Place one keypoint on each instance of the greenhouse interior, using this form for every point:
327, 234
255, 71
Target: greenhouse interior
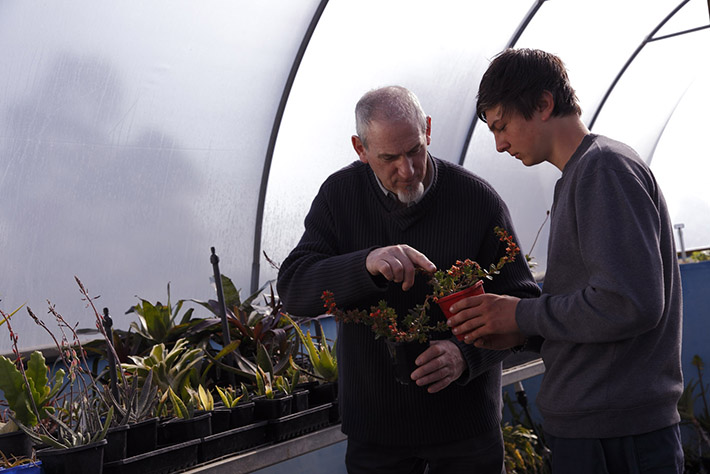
151, 148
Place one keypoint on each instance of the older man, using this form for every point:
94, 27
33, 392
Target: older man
371, 226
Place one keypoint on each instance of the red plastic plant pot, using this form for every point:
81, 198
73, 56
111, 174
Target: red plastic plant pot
445, 302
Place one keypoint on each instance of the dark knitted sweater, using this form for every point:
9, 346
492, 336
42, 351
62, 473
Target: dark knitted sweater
349, 217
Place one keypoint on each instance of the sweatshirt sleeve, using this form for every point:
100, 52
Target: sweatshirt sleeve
515, 279
604, 277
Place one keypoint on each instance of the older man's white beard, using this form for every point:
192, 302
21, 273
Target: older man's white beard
411, 193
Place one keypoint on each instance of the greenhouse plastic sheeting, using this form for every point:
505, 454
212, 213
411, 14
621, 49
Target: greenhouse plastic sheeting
136, 135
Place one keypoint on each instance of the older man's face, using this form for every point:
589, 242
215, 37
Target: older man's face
397, 154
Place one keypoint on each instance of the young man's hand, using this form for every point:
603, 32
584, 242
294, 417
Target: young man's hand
487, 321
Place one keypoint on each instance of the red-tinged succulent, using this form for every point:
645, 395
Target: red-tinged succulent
384, 321
464, 274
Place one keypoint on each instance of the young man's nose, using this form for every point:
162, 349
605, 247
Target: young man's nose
501, 145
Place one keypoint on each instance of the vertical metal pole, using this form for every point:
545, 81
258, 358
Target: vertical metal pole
226, 339
108, 325
680, 241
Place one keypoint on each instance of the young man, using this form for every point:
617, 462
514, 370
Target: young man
608, 323
372, 224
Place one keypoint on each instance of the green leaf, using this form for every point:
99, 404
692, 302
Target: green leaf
56, 385
37, 371
322, 360
187, 316
205, 398
178, 405
228, 349
225, 396
263, 360
13, 386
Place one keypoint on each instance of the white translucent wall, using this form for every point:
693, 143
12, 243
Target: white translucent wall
595, 40
135, 135
439, 51
660, 107
132, 139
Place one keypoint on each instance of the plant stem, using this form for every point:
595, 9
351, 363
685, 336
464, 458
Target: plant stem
547, 216
702, 391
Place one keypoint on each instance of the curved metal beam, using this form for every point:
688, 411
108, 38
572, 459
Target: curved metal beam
256, 262
621, 72
511, 43
665, 124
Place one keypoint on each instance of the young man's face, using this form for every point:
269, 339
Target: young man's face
521, 138
397, 154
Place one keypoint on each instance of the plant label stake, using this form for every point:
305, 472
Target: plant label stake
226, 339
108, 324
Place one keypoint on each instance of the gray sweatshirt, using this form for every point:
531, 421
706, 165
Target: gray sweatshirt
611, 309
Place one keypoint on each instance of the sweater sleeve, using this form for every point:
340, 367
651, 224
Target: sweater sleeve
315, 265
605, 272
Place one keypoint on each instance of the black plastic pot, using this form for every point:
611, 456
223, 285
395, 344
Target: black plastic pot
87, 459
242, 414
299, 401
16, 444
326, 392
142, 437
403, 355
334, 412
179, 430
117, 440
221, 419
297, 424
233, 441
270, 408
173, 458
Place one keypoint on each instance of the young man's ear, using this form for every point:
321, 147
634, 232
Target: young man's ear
359, 148
545, 105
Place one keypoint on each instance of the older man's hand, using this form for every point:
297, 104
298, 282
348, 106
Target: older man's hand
441, 364
398, 263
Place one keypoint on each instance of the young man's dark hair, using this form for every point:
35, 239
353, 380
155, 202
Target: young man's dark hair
543, 72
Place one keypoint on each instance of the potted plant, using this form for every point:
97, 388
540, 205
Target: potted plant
29, 401
521, 450
465, 278
249, 324
159, 323
14, 442
172, 370
183, 420
74, 434
270, 402
241, 407
134, 426
220, 415
289, 383
243, 433
405, 337
696, 457
323, 363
